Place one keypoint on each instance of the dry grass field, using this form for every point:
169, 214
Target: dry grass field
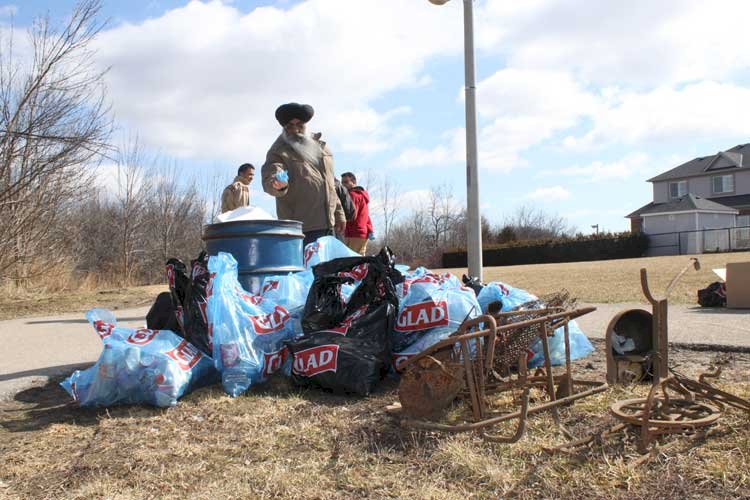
608, 281
281, 441
614, 281
18, 305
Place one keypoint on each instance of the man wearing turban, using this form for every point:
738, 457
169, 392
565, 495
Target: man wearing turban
298, 172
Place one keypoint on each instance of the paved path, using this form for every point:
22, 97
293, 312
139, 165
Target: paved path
687, 324
35, 349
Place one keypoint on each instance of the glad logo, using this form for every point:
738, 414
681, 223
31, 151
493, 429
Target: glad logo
142, 336
503, 289
316, 360
357, 273
343, 328
185, 354
310, 250
422, 316
271, 322
273, 361
198, 270
270, 286
436, 279
170, 275
103, 329
397, 359
251, 299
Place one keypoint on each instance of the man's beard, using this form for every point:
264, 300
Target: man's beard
305, 146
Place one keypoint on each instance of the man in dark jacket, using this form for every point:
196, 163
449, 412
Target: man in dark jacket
298, 172
346, 201
359, 229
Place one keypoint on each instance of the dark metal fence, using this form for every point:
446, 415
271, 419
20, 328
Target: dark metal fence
728, 239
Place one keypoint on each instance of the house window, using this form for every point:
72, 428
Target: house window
677, 189
723, 184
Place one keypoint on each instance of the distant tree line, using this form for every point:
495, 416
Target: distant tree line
421, 230
58, 226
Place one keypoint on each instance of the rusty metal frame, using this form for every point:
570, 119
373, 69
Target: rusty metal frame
482, 379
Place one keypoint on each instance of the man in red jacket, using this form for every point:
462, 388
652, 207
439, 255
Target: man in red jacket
358, 229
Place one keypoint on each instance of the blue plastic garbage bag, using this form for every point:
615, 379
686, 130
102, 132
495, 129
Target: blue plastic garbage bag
510, 297
324, 249
580, 346
433, 306
290, 292
155, 367
248, 330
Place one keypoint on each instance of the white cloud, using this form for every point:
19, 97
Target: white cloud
704, 109
553, 193
526, 107
204, 80
636, 43
8, 10
634, 164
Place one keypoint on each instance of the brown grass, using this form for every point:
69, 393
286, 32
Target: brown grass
610, 281
614, 281
21, 304
279, 441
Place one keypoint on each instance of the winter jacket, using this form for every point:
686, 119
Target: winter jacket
361, 225
346, 201
310, 196
235, 195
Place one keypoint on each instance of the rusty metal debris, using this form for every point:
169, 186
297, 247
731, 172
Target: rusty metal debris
693, 404
484, 361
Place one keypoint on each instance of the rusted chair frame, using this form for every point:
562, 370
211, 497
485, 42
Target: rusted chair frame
477, 372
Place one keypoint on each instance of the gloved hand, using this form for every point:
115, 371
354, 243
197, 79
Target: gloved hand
371, 236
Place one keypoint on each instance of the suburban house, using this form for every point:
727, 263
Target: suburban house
700, 206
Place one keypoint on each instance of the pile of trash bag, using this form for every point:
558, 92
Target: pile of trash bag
432, 307
248, 331
346, 346
340, 325
138, 366
188, 292
504, 297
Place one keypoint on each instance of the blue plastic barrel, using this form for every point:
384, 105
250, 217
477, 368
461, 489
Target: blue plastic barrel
261, 247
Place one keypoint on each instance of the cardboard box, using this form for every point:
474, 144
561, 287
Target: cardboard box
737, 277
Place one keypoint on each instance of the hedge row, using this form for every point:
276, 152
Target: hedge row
583, 248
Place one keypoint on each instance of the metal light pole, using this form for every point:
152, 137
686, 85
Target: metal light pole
474, 226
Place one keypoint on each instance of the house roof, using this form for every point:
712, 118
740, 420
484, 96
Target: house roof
737, 201
688, 203
735, 158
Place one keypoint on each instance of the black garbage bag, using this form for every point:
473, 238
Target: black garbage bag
350, 358
473, 283
162, 314
375, 278
714, 295
188, 291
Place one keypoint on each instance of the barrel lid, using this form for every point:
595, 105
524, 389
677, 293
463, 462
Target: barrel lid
259, 222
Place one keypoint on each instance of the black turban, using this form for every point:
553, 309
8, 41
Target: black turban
288, 112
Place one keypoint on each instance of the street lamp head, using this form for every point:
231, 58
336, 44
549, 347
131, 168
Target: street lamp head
439, 2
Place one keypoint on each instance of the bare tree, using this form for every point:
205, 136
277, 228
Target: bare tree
531, 223
389, 195
442, 214
54, 125
134, 189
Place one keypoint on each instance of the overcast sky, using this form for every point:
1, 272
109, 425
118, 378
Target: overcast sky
579, 101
